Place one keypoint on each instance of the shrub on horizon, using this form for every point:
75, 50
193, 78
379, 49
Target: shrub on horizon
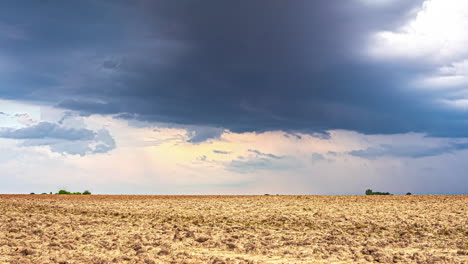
63, 192
86, 192
370, 192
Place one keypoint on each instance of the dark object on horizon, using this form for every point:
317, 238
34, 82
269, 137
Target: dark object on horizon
370, 192
32, 193
43, 193
266, 194
408, 193
86, 192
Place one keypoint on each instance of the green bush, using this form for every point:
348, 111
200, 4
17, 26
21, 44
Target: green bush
86, 192
408, 193
370, 192
63, 192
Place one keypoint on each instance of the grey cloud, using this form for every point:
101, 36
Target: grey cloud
195, 134
74, 141
106, 142
408, 151
64, 117
221, 152
47, 130
317, 157
244, 66
297, 136
259, 153
202, 134
261, 163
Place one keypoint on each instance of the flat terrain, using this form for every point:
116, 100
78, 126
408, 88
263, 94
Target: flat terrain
233, 229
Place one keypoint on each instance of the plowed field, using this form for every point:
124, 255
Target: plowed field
233, 229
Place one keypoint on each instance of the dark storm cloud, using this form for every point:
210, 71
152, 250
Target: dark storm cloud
252, 65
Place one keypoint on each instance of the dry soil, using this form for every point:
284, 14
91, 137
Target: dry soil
233, 229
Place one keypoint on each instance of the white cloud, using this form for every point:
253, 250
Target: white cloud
437, 34
436, 37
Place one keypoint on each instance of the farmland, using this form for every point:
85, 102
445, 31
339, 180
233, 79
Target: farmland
233, 229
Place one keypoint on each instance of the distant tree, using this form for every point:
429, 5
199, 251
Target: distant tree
408, 193
73, 193
32, 193
43, 193
370, 192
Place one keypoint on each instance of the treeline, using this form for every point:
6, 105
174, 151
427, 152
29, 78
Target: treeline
86, 192
370, 192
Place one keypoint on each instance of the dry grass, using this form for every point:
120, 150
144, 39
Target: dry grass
233, 229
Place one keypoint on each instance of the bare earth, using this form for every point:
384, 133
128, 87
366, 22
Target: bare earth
233, 229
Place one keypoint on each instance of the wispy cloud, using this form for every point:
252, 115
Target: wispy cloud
407, 151
261, 163
221, 152
261, 154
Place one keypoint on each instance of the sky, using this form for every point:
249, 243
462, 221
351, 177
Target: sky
234, 97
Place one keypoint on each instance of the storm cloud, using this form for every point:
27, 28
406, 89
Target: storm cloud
243, 65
